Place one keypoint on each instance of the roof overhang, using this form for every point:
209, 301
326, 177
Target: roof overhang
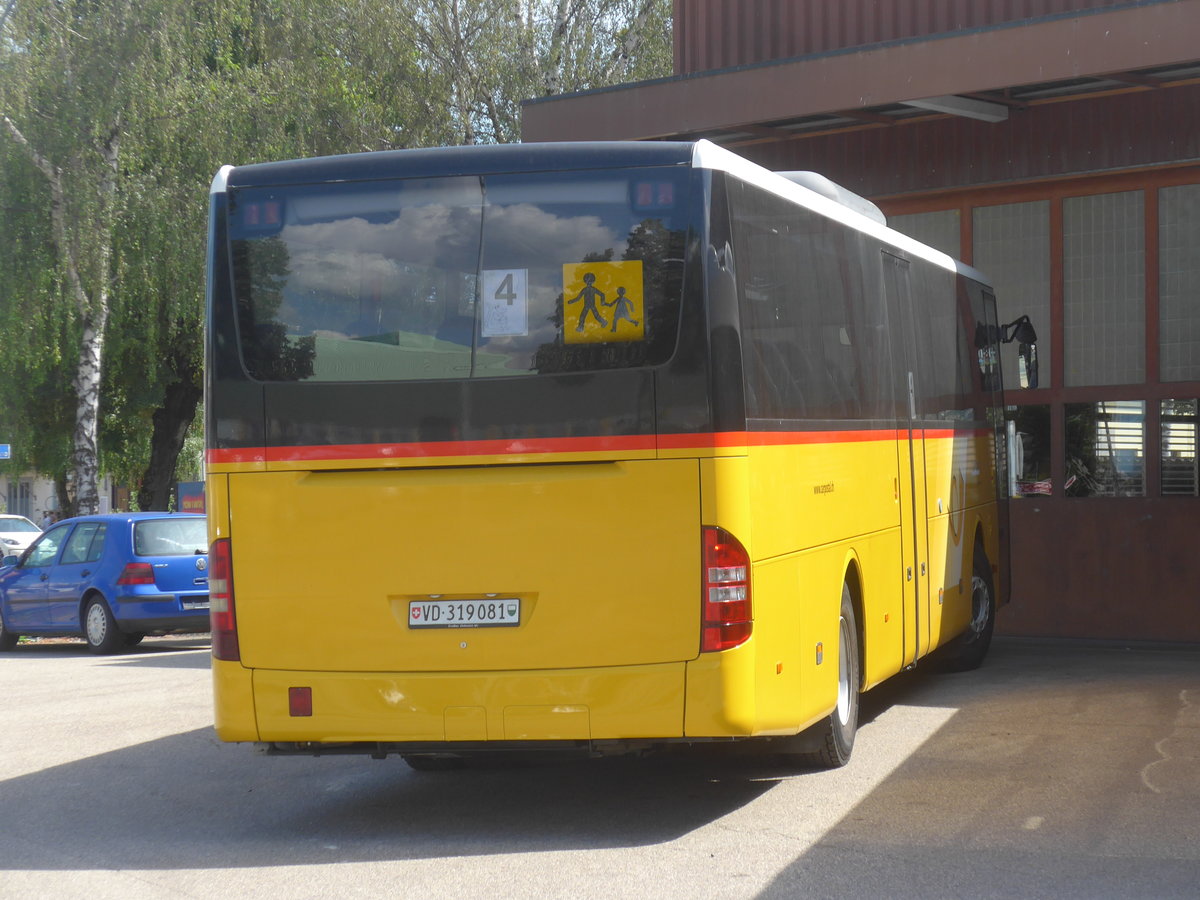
1136, 47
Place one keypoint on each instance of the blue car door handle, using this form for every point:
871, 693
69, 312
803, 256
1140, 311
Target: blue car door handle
85, 573
42, 576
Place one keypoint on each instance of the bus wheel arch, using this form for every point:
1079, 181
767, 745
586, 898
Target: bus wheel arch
967, 650
852, 581
829, 743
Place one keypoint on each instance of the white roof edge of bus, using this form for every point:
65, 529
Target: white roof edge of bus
707, 155
220, 180
826, 187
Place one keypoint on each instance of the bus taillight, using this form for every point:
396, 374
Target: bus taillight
726, 620
220, 593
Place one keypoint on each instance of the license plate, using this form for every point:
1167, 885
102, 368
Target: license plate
485, 613
194, 603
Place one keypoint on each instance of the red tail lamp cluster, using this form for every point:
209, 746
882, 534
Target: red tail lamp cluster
727, 619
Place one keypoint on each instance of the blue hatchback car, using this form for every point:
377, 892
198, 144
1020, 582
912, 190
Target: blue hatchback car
111, 578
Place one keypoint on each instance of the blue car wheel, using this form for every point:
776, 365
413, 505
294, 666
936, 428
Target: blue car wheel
100, 628
8, 639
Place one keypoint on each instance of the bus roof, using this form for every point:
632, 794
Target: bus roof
485, 159
477, 159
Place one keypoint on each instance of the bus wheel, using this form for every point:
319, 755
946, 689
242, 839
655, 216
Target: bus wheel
967, 651
829, 743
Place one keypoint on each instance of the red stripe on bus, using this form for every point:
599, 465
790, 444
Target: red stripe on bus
546, 446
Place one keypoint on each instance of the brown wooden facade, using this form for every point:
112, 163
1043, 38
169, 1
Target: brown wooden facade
1099, 101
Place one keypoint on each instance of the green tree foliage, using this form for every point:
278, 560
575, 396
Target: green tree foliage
115, 116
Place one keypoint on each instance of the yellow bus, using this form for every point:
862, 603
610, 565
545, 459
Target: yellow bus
586, 447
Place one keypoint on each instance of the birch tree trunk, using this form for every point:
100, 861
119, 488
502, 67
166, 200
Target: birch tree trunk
83, 496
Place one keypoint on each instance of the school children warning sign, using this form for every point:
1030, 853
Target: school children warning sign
603, 302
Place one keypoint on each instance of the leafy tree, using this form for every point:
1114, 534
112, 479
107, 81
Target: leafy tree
115, 114
481, 58
66, 103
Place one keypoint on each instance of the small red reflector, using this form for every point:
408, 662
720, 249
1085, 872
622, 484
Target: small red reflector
137, 573
300, 701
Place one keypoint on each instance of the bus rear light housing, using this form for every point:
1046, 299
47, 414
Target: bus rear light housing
726, 619
222, 612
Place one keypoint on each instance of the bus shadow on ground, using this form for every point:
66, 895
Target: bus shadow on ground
187, 801
179, 653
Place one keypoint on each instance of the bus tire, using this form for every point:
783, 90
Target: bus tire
967, 651
829, 743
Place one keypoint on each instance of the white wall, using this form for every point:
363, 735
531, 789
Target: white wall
31, 495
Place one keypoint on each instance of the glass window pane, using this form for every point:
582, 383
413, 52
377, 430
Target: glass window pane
1180, 429
78, 546
1012, 247
1104, 289
170, 537
939, 229
814, 329
1029, 450
1105, 443
460, 277
1179, 274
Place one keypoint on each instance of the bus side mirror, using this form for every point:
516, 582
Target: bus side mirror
1027, 363
1023, 333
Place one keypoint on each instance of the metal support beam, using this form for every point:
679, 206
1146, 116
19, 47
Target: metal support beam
962, 106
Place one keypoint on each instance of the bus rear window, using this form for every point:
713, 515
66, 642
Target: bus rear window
459, 277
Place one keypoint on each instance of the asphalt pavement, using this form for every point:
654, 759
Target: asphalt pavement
1058, 770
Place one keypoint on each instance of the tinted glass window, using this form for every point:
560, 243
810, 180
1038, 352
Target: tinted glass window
1104, 289
1029, 441
86, 543
463, 277
1012, 245
1180, 430
814, 327
45, 550
170, 537
1105, 449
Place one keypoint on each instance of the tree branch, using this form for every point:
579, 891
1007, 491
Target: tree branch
619, 59
8, 8
58, 212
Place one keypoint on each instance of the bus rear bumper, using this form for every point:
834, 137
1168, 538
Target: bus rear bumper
468, 708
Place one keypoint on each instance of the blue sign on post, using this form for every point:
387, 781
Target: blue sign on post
5, 451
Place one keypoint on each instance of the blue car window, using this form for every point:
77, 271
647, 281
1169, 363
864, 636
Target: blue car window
85, 544
44, 552
97, 548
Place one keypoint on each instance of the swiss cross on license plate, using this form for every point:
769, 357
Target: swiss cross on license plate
478, 613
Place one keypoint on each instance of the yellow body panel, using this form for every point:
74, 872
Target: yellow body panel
233, 706
605, 559
601, 556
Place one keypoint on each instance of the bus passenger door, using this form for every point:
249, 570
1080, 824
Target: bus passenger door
910, 453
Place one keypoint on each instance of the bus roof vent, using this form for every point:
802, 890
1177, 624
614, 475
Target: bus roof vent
834, 191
